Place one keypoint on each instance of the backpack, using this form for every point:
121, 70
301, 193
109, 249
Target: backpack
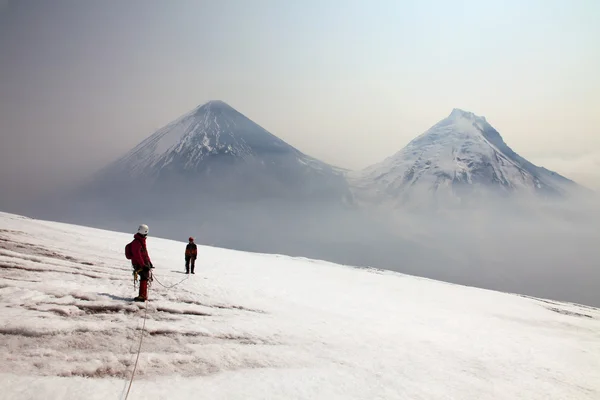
128, 253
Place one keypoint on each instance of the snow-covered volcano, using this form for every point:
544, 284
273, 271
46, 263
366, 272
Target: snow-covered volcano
460, 158
211, 130
217, 147
212, 167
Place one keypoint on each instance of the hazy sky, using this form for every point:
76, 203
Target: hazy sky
349, 82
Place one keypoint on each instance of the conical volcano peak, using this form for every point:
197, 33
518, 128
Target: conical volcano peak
461, 158
212, 133
216, 103
215, 106
458, 113
215, 148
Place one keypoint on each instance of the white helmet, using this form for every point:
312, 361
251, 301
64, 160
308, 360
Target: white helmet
143, 229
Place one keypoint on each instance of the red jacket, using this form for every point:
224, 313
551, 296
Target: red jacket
139, 252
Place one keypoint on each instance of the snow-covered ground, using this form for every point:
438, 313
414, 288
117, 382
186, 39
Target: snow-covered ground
253, 326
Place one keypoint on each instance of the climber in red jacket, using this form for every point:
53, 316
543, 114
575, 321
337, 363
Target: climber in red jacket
140, 260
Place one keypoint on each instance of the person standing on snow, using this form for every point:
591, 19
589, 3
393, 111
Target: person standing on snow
191, 252
140, 260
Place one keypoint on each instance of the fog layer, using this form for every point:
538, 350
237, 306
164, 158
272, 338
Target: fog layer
545, 248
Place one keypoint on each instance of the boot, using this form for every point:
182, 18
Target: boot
143, 291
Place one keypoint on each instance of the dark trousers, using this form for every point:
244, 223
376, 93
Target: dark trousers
188, 261
144, 272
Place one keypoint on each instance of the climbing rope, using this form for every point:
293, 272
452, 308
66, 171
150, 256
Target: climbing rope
139, 350
152, 278
172, 286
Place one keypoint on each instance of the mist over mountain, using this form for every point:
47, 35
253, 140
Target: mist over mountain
216, 152
456, 204
212, 166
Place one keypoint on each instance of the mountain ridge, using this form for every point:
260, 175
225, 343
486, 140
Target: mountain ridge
459, 157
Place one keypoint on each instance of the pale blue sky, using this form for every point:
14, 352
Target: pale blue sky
346, 81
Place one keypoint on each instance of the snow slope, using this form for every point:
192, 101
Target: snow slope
254, 326
458, 159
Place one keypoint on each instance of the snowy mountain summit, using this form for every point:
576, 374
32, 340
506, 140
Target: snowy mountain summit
459, 159
212, 130
226, 153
